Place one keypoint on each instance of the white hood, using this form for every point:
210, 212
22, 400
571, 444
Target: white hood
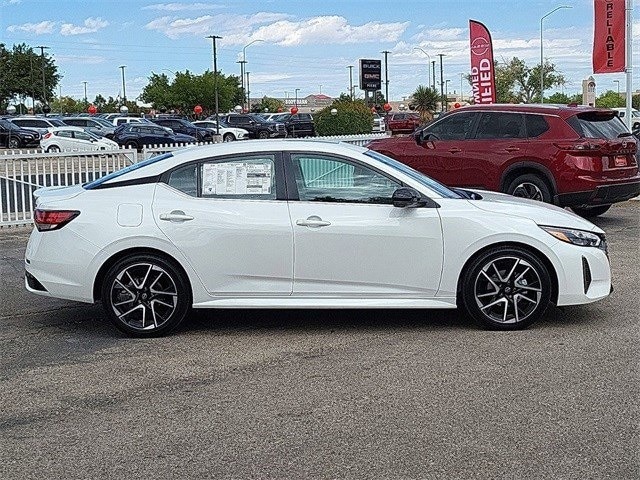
539, 212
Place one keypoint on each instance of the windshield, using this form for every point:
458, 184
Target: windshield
103, 122
57, 123
130, 168
8, 125
428, 182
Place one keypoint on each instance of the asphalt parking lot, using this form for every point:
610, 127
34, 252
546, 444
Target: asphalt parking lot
323, 394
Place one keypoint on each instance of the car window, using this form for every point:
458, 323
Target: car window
82, 136
498, 125
120, 121
597, 125
185, 179
65, 134
329, 179
250, 177
76, 122
56, 123
453, 127
25, 123
536, 125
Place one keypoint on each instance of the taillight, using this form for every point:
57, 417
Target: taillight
47, 220
580, 146
47, 135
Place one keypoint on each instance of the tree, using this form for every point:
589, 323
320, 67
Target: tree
635, 102
352, 118
66, 105
425, 101
559, 98
610, 99
21, 74
268, 104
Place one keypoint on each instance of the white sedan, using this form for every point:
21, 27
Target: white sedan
74, 138
303, 224
229, 133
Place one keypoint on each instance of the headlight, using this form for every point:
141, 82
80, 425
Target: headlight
577, 237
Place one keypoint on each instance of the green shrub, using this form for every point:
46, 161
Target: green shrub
353, 118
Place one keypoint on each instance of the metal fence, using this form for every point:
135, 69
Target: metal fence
22, 172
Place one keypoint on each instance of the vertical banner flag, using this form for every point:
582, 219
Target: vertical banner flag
608, 36
483, 78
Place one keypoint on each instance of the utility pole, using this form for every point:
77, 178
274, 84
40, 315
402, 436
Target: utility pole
44, 87
85, 93
442, 99
433, 71
215, 79
124, 90
248, 93
350, 67
242, 88
386, 76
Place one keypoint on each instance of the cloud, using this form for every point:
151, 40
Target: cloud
176, 7
439, 34
34, 28
10, 2
81, 59
91, 25
278, 29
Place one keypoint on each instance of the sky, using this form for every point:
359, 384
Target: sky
298, 44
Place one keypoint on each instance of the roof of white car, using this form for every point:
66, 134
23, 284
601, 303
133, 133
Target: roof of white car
68, 127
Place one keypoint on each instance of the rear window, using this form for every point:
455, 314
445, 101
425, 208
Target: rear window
130, 168
597, 125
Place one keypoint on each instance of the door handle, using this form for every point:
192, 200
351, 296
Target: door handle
176, 216
512, 149
313, 222
454, 150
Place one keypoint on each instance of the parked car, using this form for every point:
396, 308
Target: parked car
137, 134
229, 134
117, 121
577, 157
307, 225
255, 125
12, 136
74, 138
41, 124
96, 125
635, 116
378, 124
298, 125
184, 127
402, 122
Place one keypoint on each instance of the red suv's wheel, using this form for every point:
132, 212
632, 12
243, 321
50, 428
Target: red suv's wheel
530, 186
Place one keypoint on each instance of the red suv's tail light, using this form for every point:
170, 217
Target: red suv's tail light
580, 146
47, 220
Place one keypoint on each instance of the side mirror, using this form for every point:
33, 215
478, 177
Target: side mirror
407, 197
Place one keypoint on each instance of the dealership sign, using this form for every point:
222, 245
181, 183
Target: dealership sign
370, 74
609, 36
483, 78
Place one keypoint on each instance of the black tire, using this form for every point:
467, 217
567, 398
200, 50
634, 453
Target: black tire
530, 186
13, 142
228, 137
591, 212
263, 134
145, 295
53, 149
520, 283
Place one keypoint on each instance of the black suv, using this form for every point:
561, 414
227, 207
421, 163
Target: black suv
135, 135
12, 136
179, 125
257, 126
298, 125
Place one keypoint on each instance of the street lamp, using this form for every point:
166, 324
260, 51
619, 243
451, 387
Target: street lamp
297, 90
244, 62
85, 93
446, 92
618, 83
124, 89
442, 102
428, 65
215, 78
541, 50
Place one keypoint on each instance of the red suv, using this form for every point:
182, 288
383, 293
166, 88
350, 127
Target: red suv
402, 122
578, 157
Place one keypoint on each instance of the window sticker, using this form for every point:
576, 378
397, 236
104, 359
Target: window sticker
237, 178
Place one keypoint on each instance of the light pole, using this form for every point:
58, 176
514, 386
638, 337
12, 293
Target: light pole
244, 61
350, 67
461, 87
44, 88
297, 90
442, 102
85, 93
386, 77
618, 83
542, 50
320, 90
446, 92
215, 78
248, 93
124, 88
428, 64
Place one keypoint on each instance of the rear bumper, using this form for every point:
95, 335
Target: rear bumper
602, 195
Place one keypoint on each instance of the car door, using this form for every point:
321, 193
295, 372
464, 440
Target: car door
230, 219
444, 153
83, 141
350, 240
65, 140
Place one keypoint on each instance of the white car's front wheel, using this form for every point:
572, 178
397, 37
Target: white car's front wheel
145, 295
506, 288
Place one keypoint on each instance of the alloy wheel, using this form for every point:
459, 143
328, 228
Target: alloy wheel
528, 190
144, 296
507, 289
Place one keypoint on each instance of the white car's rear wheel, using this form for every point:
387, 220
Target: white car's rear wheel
53, 149
506, 288
228, 137
145, 295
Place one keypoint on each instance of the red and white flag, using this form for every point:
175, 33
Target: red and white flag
483, 78
608, 36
